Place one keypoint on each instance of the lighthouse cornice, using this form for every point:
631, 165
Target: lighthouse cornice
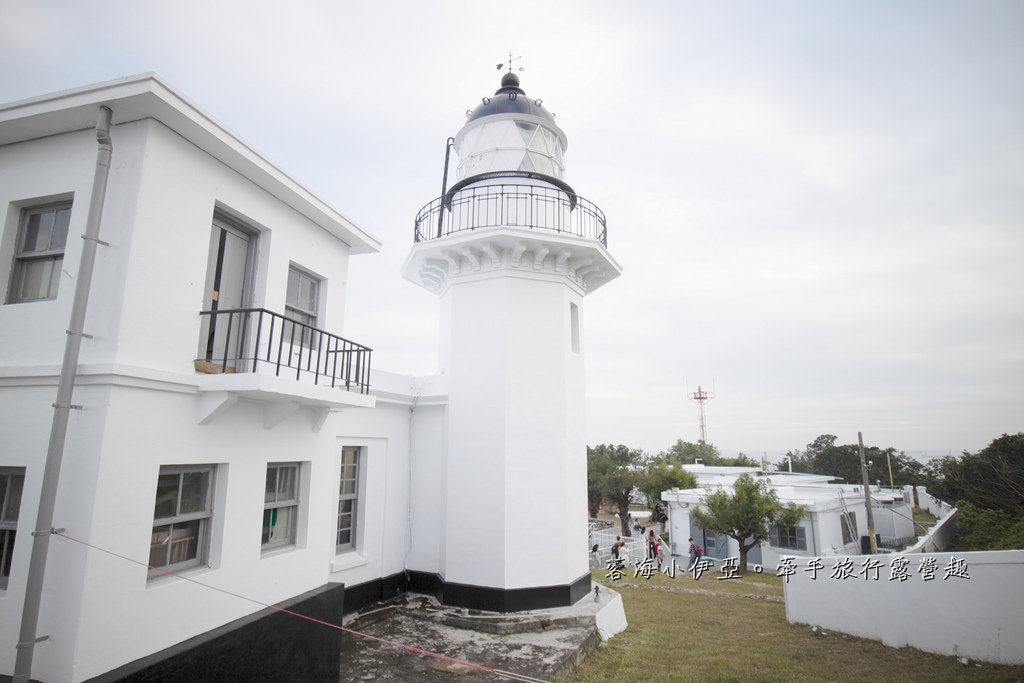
582, 264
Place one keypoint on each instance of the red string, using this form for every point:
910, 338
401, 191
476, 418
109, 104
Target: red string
409, 648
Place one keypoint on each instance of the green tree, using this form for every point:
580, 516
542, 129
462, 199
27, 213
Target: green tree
825, 456
659, 475
988, 490
747, 513
979, 528
687, 453
618, 470
992, 478
598, 465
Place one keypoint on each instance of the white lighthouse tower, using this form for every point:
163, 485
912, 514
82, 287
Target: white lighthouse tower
512, 251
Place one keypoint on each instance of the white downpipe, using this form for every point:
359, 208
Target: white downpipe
62, 407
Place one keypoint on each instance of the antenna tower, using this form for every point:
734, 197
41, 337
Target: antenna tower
700, 396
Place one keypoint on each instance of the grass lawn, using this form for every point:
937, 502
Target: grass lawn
711, 630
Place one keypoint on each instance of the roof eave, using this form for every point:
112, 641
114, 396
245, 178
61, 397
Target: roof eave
146, 96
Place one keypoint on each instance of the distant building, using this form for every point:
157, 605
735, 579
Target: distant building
834, 523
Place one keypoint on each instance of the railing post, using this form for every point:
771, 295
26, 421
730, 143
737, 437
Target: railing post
227, 345
256, 346
291, 352
280, 348
366, 379
319, 354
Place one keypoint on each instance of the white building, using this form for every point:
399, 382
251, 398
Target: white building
834, 522
228, 433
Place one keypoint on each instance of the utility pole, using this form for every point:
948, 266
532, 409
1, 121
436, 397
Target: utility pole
867, 496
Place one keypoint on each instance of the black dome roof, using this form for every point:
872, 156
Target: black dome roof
510, 99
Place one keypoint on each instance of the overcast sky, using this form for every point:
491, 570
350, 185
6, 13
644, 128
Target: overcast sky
818, 206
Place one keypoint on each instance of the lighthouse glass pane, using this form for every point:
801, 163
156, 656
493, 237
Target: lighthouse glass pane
527, 130
510, 145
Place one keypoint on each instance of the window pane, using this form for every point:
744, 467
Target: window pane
59, 236
166, 496
286, 483
184, 541
277, 525
309, 294
13, 502
37, 232
271, 488
346, 510
194, 486
55, 272
292, 296
35, 279
158, 546
6, 552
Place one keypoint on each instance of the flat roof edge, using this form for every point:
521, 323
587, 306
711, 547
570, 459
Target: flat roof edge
148, 96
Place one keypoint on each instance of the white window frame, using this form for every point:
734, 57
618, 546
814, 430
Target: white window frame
296, 311
23, 257
352, 458
204, 516
281, 501
11, 479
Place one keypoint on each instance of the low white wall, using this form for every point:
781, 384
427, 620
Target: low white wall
931, 503
939, 537
894, 521
981, 617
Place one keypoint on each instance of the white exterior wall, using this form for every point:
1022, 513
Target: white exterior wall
26, 412
894, 521
821, 527
427, 499
981, 617
515, 407
59, 167
936, 507
124, 615
148, 286
141, 407
180, 188
382, 537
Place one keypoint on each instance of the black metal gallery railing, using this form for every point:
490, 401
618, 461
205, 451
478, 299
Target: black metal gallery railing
255, 339
512, 205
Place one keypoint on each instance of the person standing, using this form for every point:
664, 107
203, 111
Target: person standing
696, 552
616, 546
654, 548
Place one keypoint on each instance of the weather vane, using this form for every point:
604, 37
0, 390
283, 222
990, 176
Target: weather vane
509, 63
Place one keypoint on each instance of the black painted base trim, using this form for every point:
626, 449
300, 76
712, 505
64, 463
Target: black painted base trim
499, 599
268, 646
464, 595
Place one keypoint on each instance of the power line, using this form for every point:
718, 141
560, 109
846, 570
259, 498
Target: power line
408, 648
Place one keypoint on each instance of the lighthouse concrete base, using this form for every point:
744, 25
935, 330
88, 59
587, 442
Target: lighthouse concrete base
543, 644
